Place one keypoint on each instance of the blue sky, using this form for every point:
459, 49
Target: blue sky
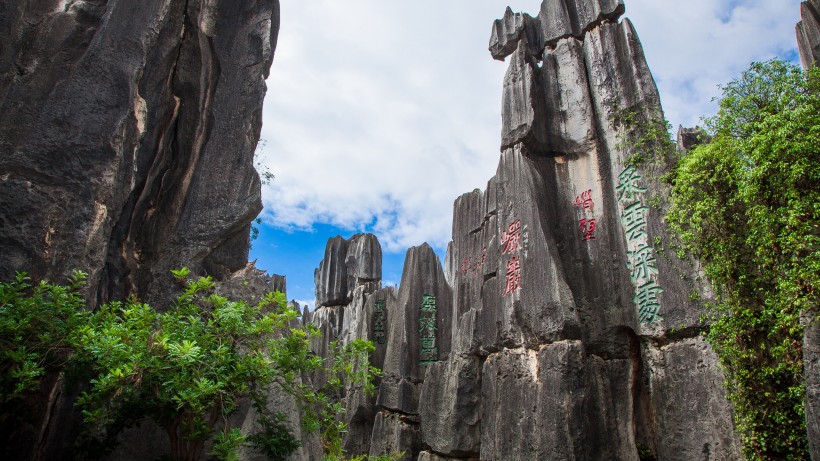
379, 114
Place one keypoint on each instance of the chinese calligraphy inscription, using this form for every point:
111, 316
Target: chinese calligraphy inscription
641, 260
511, 244
587, 222
379, 318
427, 330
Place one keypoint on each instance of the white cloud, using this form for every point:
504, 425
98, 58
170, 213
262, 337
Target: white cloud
310, 303
379, 114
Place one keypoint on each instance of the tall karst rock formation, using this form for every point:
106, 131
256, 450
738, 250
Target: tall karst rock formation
808, 44
562, 325
127, 134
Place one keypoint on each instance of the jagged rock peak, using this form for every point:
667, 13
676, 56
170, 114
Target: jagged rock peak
347, 265
808, 33
557, 19
508, 30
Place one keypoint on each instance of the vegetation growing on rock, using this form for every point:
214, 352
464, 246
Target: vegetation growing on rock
748, 206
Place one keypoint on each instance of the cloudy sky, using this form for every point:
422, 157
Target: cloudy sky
380, 113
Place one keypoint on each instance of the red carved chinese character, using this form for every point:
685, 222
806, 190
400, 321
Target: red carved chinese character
584, 200
479, 264
465, 265
513, 276
511, 241
587, 227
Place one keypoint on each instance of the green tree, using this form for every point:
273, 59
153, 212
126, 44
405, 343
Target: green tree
35, 324
188, 367
747, 204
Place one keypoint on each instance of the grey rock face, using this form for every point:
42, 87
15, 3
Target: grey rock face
808, 33
808, 44
687, 138
418, 330
564, 18
552, 392
394, 433
346, 265
811, 371
684, 374
508, 30
569, 113
523, 102
450, 407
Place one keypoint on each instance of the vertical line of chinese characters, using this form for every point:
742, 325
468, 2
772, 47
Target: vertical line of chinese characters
379, 319
427, 330
641, 260
587, 222
511, 243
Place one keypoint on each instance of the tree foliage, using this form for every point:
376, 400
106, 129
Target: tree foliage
747, 204
35, 323
186, 367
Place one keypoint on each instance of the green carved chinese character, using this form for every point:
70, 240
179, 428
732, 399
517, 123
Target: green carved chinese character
641, 263
428, 342
428, 303
427, 324
633, 219
646, 298
627, 186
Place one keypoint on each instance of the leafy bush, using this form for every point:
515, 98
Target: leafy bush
747, 205
35, 324
186, 368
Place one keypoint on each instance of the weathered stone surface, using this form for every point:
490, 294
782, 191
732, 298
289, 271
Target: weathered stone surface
251, 284
689, 402
346, 265
808, 45
450, 407
508, 30
808, 33
404, 369
522, 111
569, 121
550, 404
394, 433
619, 84
331, 275
429, 456
811, 372
562, 18
538, 306
367, 317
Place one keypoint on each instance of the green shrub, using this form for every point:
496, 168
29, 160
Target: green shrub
747, 205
